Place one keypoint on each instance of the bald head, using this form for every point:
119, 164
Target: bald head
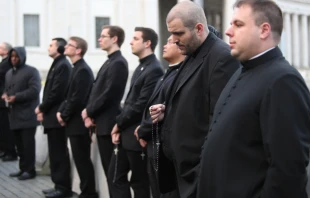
189, 13
4, 49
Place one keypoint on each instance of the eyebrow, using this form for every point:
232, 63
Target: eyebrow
236, 21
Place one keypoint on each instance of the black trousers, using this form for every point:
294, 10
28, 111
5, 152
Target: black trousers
153, 176
105, 146
59, 158
25, 143
80, 146
7, 139
126, 161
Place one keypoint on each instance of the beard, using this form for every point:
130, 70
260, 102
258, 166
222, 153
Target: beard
193, 44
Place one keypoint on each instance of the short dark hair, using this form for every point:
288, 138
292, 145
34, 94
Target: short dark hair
81, 44
60, 43
116, 31
148, 34
265, 11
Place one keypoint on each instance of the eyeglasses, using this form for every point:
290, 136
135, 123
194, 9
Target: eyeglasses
103, 36
70, 45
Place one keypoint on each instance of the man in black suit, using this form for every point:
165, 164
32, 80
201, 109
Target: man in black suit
192, 97
260, 133
148, 133
22, 89
7, 143
57, 81
69, 115
129, 155
107, 92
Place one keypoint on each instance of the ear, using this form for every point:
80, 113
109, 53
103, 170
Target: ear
199, 28
78, 51
114, 38
148, 44
265, 31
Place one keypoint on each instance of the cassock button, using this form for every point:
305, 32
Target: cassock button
220, 113
224, 103
210, 130
229, 96
214, 121
234, 87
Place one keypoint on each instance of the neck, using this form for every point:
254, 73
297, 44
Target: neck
74, 59
56, 56
177, 60
113, 49
145, 53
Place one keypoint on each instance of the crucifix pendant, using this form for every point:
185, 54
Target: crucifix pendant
116, 151
142, 155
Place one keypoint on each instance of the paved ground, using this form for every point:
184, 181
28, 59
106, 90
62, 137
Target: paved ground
13, 188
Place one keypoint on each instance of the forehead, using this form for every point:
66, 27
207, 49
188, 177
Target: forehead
72, 42
53, 42
138, 34
175, 25
14, 53
242, 13
105, 31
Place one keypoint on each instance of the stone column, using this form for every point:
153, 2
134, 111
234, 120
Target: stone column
288, 38
199, 2
296, 44
305, 41
227, 14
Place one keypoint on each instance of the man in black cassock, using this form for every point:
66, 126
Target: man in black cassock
54, 93
258, 143
107, 92
149, 134
193, 95
7, 142
69, 115
131, 156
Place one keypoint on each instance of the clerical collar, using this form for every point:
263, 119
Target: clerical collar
143, 60
270, 54
116, 53
264, 52
172, 65
78, 62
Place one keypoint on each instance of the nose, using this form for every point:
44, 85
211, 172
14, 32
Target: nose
175, 38
228, 32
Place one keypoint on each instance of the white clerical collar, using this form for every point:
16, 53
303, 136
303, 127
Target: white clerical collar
174, 64
264, 52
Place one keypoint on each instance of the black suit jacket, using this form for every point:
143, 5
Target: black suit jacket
190, 108
76, 99
56, 84
142, 85
107, 92
4, 67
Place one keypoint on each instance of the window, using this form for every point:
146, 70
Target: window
31, 30
100, 21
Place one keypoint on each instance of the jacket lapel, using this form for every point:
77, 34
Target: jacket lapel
198, 61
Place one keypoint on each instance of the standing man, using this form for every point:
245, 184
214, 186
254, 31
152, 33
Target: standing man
69, 115
22, 89
107, 92
54, 93
193, 95
149, 134
131, 155
7, 143
260, 135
